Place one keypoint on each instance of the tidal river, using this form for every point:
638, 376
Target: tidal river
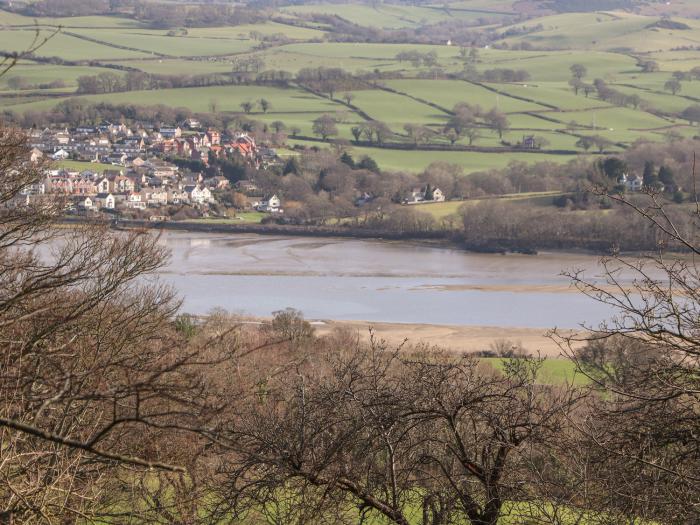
376, 281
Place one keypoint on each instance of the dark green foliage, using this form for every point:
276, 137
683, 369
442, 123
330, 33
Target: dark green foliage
649, 175
614, 168
196, 166
347, 159
666, 177
291, 167
691, 114
368, 163
232, 170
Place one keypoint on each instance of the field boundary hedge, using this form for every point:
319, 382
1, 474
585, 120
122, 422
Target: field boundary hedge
439, 147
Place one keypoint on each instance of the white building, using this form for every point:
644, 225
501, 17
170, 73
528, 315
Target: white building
270, 205
199, 194
104, 200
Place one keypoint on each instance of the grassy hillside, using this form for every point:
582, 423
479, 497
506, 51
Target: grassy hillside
604, 31
610, 45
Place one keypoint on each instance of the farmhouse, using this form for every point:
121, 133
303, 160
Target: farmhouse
270, 205
426, 193
631, 182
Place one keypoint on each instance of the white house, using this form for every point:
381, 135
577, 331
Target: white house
631, 182
198, 194
104, 200
438, 196
270, 205
135, 200
155, 197
103, 185
416, 195
425, 194
61, 154
86, 203
177, 196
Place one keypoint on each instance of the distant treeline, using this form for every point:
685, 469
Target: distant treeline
108, 82
244, 71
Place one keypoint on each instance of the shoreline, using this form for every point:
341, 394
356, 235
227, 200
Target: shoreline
454, 338
438, 239
461, 339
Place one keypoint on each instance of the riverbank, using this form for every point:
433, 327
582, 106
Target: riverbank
436, 238
459, 339
452, 338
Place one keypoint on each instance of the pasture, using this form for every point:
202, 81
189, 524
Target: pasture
553, 371
84, 166
226, 98
443, 210
151, 42
34, 73
63, 45
394, 16
416, 161
544, 106
604, 31
447, 93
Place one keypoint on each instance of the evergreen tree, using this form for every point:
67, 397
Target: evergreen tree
667, 178
614, 168
649, 174
368, 163
347, 159
292, 166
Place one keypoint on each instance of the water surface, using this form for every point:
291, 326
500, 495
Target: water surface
379, 281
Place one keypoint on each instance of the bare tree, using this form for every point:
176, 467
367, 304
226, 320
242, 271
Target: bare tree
91, 364
645, 360
387, 435
325, 126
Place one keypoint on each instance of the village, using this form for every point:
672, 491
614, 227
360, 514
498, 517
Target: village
145, 171
139, 180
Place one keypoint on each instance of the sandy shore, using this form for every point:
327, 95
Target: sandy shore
454, 338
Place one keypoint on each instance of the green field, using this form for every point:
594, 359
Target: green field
63, 45
553, 371
441, 210
544, 106
415, 161
36, 73
396, 110
241, 217
447, 93
84, 166
227, 98
605, 31
391, 16
159, 42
